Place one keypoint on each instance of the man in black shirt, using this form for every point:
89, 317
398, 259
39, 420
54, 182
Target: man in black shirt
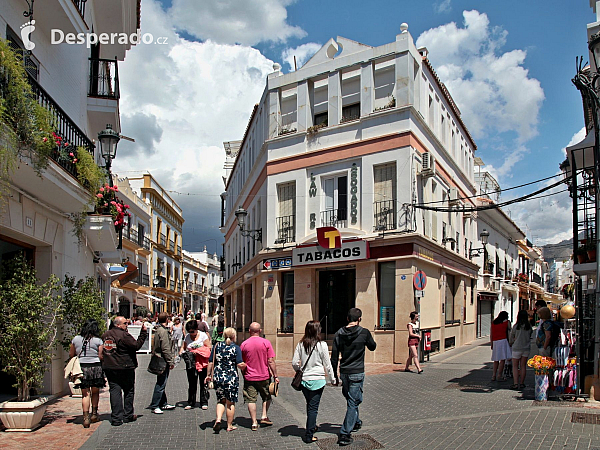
350, 341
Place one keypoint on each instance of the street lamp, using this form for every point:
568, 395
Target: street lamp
240, 215
108, 139
484, 235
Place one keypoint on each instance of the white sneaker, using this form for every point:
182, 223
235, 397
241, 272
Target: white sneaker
157, 411
168, 407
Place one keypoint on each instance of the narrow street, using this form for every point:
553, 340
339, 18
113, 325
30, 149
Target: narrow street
451, 405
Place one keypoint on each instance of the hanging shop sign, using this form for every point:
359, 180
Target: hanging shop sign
350, 250
277, 263
353, 194
329, 237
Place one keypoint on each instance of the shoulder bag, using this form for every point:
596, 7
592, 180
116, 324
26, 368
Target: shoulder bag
157, 364
297, 381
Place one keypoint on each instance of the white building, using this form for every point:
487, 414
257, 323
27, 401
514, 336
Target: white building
213, 291
195, 290
79, 86
351, 141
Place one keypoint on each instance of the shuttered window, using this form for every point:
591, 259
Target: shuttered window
286, 194
385, 182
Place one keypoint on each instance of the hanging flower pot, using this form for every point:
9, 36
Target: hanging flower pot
541, 388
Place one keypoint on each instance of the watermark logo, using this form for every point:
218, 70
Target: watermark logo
58, 37
26, 30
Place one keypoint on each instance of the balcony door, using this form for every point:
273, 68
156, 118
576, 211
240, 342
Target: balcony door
286, 220
384, 177
335, 211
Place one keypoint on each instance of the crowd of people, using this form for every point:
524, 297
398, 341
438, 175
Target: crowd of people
213, 361
511, 345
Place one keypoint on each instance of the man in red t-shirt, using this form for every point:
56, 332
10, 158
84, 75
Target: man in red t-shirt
259, 357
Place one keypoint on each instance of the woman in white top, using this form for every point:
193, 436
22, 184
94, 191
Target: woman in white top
520, 342
195, 339
313, 378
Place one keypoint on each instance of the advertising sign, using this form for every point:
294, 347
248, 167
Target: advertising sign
277, 263
315, 254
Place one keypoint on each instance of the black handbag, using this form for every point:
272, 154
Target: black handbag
297, 381
189, 359
157, 364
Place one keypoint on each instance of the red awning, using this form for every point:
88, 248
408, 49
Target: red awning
130, 275
487, 296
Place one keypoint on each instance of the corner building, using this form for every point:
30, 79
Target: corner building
347, 145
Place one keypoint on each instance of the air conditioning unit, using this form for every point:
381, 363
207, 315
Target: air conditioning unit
428, 164
454, 196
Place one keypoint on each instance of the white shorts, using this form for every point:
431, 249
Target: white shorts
518, 354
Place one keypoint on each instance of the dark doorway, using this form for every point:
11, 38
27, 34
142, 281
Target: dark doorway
337, 294
124, 307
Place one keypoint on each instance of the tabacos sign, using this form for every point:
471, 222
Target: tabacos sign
330, 248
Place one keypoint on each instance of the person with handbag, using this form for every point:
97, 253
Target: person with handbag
88, 347
311, 362
119, 363
161, 363
223, 364
194, 345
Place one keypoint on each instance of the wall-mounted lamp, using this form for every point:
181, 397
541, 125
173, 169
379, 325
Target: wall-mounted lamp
240, 215
484, 235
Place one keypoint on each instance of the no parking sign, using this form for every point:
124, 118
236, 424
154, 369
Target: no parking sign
420, 280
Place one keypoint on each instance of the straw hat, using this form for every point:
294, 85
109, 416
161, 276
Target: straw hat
274, 389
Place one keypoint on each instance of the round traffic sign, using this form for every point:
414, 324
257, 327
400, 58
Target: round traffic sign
420, 280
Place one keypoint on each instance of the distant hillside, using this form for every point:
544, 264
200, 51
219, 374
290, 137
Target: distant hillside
560, 251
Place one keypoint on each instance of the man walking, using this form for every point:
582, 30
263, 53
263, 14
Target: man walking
259, 357
350, 341
163, 348
119, 364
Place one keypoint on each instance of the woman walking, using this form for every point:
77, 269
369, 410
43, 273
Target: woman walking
177, 335
88, 347
198, 344
499, 343
225, 360
413, 340
520, 341
217, 332
312, 354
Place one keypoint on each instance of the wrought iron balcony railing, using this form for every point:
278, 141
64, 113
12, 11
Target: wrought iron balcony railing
385, 215
144, 279
172, 285
104, 79
286, 229
334, 218
163, 240
80, 5
131, 234
179, 249
172, 246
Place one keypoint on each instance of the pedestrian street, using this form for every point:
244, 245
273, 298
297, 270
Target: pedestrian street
452, 404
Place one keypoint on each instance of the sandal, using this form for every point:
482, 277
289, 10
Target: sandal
521, 386
254, 426
233, 427
266, 421
514, 386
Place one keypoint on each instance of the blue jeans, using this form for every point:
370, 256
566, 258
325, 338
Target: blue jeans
352, 389
159, 398
313, 398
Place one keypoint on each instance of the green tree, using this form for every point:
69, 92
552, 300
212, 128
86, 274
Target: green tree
82, 301
30, 312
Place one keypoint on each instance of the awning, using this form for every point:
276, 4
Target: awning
131, 273
154, 299
487, 296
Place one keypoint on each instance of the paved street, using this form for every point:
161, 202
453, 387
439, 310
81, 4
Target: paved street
451, 405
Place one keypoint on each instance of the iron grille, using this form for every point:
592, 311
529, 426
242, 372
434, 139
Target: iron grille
385, 215
104, 78
334, 218
286, 229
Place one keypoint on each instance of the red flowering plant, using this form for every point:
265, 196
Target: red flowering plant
107, 202
66, 151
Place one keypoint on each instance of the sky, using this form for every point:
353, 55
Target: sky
508, 65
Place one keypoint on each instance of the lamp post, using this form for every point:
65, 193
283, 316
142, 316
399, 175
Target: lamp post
108, 139
241, 214
484, 235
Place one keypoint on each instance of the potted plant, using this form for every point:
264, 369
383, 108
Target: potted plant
30, 313
109, 204
581, 254
82, 300
590, 250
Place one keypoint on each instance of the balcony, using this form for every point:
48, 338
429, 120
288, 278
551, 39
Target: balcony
131, 234
162, 282
143, 279
286, 229
334, 218
172, 246
535, 278
179, 249
500, 273
172, 285
162, 241
145, 242
80, 5
104, 79
385, 215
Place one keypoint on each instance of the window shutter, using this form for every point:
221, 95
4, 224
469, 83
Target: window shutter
287, 199
385, 182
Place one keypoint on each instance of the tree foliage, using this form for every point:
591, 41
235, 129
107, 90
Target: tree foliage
30, 312
82, 300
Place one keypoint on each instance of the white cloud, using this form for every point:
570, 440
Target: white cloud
246, 22
546, 217
442, 6
302, 53
180, 102
492, 89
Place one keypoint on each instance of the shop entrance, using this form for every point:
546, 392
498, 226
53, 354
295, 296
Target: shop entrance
337, 294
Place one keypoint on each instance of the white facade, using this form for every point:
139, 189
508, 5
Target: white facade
213, 289
81, 90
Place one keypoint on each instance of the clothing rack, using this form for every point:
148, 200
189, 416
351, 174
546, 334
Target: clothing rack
564, 379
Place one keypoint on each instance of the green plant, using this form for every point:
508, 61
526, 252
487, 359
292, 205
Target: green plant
142, 311
89, 174
30, 312
82, 300
315, 128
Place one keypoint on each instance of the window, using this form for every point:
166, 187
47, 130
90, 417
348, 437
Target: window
321, 118
141, 232
351, 112
336, 201
449, 299
29, 61
457, 243
384, 177
287, 302
387, 294
286, 220
430, 112
434, 218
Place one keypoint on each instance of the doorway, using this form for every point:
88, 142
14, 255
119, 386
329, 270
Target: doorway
124, 307
337, 294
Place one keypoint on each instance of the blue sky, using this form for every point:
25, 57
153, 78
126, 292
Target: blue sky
182, 101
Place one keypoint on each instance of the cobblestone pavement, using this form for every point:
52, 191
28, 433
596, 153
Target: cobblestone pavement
451, 405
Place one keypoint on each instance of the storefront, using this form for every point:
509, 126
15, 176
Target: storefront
316, 282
